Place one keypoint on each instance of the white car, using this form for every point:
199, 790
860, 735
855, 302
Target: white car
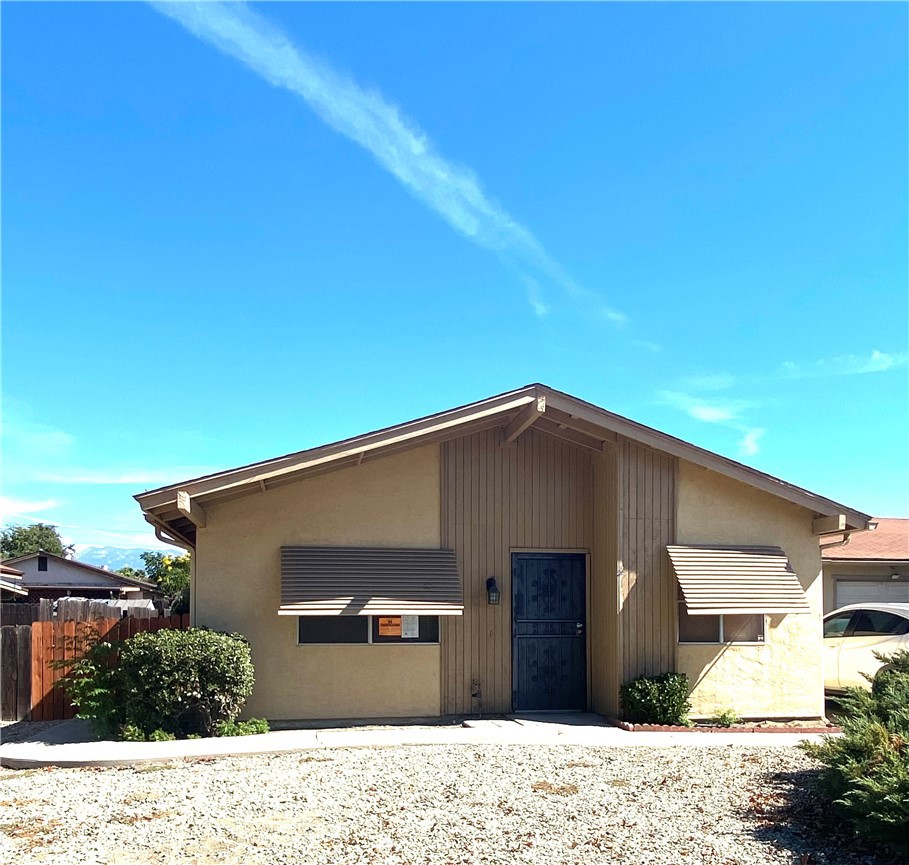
851, 637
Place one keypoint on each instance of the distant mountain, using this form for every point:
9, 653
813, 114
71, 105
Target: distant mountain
112, 558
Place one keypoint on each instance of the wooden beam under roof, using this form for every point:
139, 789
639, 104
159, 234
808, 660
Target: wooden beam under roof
566, 434
829, 525
190, 509
569, 421
525, 419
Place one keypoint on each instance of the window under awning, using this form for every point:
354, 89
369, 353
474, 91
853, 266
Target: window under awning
719, 580
362, 581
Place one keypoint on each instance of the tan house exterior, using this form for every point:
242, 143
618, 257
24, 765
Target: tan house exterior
569, 509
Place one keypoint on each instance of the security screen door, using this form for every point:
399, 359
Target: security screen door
549, 642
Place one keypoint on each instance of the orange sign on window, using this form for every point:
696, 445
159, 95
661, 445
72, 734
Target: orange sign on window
389, 626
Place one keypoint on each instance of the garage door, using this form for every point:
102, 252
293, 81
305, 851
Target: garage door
871, 591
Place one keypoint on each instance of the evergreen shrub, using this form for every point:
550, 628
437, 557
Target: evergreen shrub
657, 699
867, 769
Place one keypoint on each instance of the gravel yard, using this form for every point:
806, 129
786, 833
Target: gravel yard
460, 804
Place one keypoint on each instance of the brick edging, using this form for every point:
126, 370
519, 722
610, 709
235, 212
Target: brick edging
667, 728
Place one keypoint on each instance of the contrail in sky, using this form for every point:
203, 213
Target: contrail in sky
379, 127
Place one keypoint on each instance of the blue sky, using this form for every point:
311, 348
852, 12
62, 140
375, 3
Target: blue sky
233, 232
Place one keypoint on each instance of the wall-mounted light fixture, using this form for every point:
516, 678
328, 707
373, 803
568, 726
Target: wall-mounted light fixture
493, 595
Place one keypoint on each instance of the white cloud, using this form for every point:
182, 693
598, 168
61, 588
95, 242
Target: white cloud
710, 411
105, 477
846, 364
535, 298
714, 381
647, 345
749, 442
12, 507
378, 126
727, 413
22, 435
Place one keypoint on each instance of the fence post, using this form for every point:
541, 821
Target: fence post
24, 691
9, 683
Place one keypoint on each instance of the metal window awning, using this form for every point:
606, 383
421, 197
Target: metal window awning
720, 580
360, 581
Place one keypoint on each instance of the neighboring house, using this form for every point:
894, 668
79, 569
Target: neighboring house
869, 567
46, 575
529, 551
11, 588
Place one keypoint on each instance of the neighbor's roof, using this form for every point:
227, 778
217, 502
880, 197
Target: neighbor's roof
178, 509
11, 580
888, 542
118, 578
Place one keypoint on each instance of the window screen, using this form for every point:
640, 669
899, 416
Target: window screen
719, 629
698, 629
743, 629
333, 629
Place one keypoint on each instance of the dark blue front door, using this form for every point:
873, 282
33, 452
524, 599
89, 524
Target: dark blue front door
549, 650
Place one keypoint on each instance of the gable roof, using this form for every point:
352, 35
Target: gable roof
11, 581
888, 542
176, 510
110, 575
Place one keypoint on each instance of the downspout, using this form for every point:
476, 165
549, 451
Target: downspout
164, 536
846, 535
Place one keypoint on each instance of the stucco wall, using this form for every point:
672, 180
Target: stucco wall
782, 677
393, 501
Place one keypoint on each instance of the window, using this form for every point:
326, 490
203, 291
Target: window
42, 563
878, 623
836, 626
719, 629
367, 629
333, 629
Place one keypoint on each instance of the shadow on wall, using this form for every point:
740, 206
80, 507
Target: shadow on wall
720, 650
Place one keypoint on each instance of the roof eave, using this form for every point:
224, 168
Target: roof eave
160, 505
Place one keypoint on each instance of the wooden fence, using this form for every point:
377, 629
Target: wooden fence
80, 609
29, 677
19, 614
16, 669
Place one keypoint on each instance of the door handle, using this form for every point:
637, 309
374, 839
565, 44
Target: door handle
579, 628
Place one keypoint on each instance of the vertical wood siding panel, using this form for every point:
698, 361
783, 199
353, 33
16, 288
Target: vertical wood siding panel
646, 526
535, 493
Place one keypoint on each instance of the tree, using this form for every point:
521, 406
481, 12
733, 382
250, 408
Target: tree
132, 573
171, 573
22, 540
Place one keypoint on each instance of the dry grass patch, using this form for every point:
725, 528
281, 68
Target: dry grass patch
554, 789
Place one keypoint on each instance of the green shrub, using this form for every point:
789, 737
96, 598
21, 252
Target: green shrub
867, 773
252, 727
725, 718
175, 682
131, 733
657, 699
161, 736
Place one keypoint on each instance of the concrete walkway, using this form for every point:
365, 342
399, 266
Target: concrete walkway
72, 744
